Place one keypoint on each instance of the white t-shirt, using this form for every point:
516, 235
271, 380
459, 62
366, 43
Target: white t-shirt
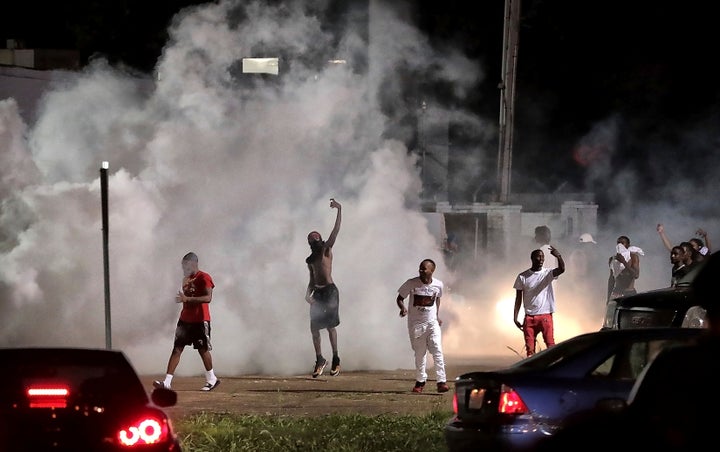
422, 305
537, 287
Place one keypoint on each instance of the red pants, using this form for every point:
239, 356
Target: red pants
535, 324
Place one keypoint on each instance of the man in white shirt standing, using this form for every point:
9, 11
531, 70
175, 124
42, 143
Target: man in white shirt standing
423, 323
534, 290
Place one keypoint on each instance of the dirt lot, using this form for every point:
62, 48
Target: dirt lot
351, 392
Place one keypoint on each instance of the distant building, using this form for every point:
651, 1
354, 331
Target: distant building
42, 59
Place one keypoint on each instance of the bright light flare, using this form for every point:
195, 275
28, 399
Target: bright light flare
480, 323
480, 327
48, 396
503, 314
40, 392
146, 431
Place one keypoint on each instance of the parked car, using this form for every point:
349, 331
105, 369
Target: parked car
674, 306
517, 407
670, 406
79, 399
668, 307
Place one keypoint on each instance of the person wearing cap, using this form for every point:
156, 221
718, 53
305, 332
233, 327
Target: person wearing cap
586, 238
582, 255
586, 273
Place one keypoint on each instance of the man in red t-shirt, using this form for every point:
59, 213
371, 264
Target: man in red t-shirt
193, 327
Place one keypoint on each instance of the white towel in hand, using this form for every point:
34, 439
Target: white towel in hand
616, 266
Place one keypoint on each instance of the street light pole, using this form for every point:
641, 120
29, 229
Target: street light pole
507, 97
106, 265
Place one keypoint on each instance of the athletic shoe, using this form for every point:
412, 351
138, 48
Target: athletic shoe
210, 386
335, 369
158, 384
319, 367
418, 386
442, 387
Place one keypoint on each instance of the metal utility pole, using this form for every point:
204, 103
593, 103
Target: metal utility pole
106, 265
507, 97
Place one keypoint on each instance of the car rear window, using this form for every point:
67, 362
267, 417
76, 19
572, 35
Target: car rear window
106, 378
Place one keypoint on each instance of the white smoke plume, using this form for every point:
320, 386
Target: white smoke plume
235, 167
240, 167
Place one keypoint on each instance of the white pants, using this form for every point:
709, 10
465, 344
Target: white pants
423, 338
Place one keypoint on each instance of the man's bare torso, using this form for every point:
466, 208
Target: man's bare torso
320, 266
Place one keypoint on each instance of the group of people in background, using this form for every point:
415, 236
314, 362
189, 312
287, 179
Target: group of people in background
534, 293
686, 256
423, 321
534, 286
423, 291
195, 294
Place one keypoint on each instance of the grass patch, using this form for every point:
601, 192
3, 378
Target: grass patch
224, 432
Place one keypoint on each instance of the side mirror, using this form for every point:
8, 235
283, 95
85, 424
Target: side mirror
611, 405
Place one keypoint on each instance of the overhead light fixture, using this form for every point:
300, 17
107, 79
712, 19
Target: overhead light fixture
260, 65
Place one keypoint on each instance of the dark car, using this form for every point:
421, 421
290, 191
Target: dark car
78, 399
668, 307
670, 407
675, 306
655, 416
517, 407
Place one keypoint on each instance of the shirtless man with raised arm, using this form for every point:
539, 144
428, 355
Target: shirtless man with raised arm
323, 295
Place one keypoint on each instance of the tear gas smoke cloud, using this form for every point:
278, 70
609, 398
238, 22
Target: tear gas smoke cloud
238, 174
239, 170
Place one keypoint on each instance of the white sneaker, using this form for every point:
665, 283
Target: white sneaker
210, 386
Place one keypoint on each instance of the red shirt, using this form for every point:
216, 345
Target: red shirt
196, 286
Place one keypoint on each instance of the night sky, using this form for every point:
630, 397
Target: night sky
645, 66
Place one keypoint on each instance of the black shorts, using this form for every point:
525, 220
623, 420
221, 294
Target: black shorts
195, 334
325, 311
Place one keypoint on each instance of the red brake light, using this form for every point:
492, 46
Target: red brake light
47, 396
150, 429
455, 403
511, 402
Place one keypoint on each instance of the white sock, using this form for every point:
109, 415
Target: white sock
168, 380
210, 376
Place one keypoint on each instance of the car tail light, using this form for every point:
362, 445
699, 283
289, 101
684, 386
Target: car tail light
152, 428
511, 402
455, 403
47, 396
